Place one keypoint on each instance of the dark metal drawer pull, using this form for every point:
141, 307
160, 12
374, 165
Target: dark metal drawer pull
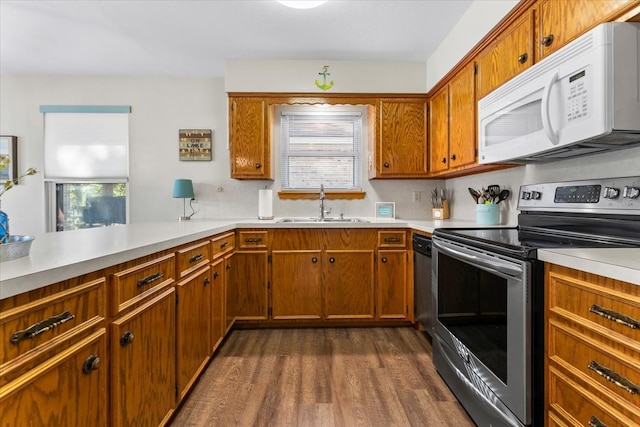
150, 279
595, 422
615, 316
614, 377
196, 258
224, 245
91, 364
392, 239
40, 327
253, 239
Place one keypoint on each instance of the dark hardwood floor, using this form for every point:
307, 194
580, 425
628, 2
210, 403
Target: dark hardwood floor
322, 377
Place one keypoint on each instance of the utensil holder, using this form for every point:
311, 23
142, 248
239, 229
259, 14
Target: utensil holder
488, 214
441, 213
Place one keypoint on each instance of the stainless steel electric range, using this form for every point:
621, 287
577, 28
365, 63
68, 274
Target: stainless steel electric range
488, 292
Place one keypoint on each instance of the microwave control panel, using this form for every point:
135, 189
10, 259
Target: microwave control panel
577, 105
607, 195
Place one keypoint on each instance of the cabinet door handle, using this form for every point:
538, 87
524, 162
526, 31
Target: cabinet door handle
595, 422
547, 40
126, 339
150, 279
258, 165
523, 58
253, 239
92, 363
40, 327
386, 164
224, 245
453, 157
614, 377
314, 260
384, 259
332, 260
444, 160
196, 258
614, 316
215, 275
228, 267
206, 281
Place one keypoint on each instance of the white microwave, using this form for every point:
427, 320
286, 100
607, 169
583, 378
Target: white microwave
582, 99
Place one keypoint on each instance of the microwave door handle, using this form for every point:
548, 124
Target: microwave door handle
546, 117
495, 265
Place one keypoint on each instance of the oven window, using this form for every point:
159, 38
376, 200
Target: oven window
472, 305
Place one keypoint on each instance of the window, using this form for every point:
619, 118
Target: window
321, 148
86, 165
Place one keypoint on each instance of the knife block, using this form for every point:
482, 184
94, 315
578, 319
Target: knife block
441, 213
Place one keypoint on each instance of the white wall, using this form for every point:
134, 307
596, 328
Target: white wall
161, 106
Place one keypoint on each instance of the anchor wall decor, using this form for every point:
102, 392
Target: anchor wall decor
324, 73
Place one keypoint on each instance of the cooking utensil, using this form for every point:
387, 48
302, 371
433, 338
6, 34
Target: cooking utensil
494, 191
474, 194
504, 194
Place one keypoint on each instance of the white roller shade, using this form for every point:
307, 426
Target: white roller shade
86, 145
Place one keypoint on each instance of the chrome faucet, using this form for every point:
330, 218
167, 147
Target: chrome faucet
322, 197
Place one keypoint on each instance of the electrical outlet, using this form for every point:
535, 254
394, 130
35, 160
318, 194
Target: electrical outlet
417, 195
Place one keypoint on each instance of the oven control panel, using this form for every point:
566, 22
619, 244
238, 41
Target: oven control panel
607, 195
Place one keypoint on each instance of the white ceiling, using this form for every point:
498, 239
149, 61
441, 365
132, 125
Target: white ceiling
194, 37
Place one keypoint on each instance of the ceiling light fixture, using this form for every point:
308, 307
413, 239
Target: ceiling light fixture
302, 4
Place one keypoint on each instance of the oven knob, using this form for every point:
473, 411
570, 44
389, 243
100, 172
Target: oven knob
611, 193
631, 192
536, 195
526, 195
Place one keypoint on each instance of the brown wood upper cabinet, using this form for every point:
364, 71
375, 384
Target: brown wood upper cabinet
452, 123
249, 145
559, 22
511, 54
400, 144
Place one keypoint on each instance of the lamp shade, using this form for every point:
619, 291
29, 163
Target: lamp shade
183, 188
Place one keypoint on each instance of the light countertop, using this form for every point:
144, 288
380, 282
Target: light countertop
59, 256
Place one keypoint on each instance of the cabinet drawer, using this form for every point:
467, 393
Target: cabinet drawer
392, 239
600, 304
607, 369
253, 239
193, 257
49, 320
576, 405
220, 245
131, 286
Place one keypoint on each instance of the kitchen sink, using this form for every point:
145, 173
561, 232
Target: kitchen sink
314, 220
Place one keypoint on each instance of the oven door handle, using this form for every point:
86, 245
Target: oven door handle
495, 265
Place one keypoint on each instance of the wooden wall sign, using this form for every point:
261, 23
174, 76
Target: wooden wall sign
195, 144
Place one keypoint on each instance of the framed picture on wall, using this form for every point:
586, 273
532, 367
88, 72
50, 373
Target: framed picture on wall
385, 210
9, 147
195, 144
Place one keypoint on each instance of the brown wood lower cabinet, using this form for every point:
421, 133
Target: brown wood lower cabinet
69, 389
348, 284
593, 350
217, 316
143, 363
392, 284
296, 291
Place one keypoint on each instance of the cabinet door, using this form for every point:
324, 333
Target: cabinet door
401, 138
509, 56
296, 291
143, 364
392, 284
559, 22
249, 138
348, 284
230, 293
193, 327
439, 131
251, 279
462, 118
69, 389
218, 302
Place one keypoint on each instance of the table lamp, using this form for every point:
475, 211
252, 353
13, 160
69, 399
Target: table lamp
183, 188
